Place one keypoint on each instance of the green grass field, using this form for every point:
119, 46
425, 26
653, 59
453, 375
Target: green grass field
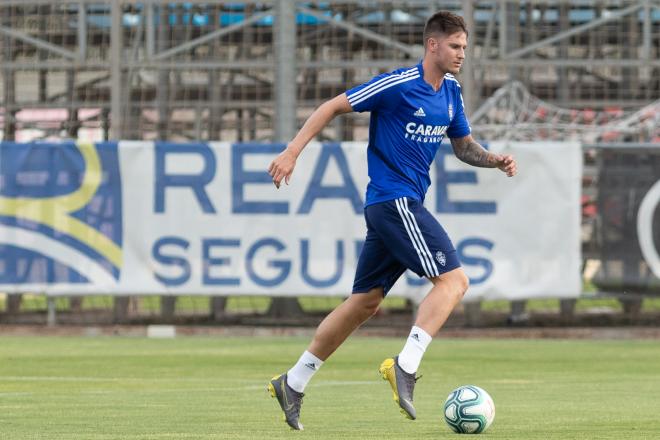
209, 387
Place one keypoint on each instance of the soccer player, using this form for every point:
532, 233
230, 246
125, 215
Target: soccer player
411, 110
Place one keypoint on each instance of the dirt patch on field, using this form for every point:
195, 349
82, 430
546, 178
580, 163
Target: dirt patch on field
245, 330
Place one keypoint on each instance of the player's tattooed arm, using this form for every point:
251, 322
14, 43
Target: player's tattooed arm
471, 152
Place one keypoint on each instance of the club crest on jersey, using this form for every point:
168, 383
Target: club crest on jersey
450, 111
440, 257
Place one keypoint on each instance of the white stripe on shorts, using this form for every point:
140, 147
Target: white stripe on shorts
421, 237
416, 238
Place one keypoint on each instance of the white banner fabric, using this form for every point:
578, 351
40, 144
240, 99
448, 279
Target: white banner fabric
205, 219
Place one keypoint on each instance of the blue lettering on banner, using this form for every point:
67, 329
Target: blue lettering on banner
209, 262
169, 251
469, 260
241, 177
284, 266
316, 190
304, 269
158, 254
196, 182
444, 178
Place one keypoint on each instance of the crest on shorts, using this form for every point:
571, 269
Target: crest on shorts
440, 258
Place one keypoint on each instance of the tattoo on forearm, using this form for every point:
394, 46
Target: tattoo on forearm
474, 154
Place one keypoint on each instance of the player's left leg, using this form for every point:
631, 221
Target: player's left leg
421, 244
447, 292
400, 371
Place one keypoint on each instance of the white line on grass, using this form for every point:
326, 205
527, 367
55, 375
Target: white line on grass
99, 379
516, 381
324, 383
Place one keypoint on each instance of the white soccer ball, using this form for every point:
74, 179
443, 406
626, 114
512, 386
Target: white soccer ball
469, 410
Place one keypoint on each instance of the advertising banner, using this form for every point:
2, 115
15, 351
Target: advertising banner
204, 218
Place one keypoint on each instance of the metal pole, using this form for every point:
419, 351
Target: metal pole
9, 84
150, 30
51, 318
285, 107
285, 70
646, 36
163, 90
467, 77
509, 28
115, 71
562, 72
44, 12
502, 29
646, 43
82, 31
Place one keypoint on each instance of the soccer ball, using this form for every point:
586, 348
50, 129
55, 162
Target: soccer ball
469, 410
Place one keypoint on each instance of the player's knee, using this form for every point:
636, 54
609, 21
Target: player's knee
459, 283
456, 278
367, 304
370, 307
462, 283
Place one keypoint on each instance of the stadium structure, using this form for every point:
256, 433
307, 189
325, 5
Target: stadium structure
209, 70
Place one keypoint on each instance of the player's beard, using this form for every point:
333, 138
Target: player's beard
455, 70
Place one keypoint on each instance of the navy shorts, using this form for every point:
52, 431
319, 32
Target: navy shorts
402, 234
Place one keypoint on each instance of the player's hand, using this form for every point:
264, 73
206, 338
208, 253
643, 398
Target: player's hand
507, 164
282, 167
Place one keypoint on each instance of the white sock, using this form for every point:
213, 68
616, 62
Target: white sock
298, 376
411, 355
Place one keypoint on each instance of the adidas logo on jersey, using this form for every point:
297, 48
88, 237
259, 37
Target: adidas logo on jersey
420, 113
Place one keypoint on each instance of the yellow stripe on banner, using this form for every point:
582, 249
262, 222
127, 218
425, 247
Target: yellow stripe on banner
56, 211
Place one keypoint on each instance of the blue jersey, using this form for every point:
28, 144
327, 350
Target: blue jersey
408, 121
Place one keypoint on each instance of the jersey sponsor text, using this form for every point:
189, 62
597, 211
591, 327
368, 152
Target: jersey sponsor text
425, 133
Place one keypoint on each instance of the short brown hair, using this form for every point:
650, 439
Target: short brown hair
444, 22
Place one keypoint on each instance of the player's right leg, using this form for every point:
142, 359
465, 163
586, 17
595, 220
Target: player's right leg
343, 320
376, 271
332, 332
289, 399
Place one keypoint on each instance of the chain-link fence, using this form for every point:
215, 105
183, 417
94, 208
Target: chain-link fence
236, 71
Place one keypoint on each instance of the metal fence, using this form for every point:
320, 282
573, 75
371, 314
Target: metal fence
218, 70
254, 70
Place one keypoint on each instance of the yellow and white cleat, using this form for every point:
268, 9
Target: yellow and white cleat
402, 384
